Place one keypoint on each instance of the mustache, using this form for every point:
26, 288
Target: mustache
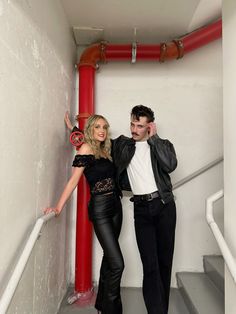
133, 133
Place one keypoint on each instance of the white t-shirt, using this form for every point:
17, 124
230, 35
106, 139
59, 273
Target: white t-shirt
140, 171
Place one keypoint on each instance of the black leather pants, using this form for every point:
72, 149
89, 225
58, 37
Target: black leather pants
107, 229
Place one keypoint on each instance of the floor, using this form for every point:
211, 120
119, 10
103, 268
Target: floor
132, 300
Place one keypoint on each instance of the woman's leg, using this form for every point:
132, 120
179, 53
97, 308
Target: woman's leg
107, 231
102, 277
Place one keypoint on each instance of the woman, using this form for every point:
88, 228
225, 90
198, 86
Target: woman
105, 212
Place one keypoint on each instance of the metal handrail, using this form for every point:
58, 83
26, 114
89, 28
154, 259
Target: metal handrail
227, 255
20, 266
197, 173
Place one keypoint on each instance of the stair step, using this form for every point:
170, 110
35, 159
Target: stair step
177, 304
214, 268
200, 294
132, 299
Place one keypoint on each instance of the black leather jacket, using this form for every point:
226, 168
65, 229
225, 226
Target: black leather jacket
163, 160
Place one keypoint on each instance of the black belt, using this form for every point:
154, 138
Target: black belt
145, 197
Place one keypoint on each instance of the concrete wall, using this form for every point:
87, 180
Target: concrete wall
186, 96
229, 92
37, 56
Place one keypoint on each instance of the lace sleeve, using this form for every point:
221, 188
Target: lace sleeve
83, 160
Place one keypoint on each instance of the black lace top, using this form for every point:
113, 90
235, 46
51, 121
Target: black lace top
100, 173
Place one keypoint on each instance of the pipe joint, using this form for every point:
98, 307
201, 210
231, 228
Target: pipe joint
93, 55
171, 50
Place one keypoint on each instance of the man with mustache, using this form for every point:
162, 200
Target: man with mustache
143, 165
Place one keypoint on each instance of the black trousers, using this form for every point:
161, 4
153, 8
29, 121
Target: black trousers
155, 233
107, 229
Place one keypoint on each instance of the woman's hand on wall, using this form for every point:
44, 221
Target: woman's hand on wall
67, 121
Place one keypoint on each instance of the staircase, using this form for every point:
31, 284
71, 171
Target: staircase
203, 293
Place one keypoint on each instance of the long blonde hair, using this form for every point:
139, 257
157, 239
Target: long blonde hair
104, 149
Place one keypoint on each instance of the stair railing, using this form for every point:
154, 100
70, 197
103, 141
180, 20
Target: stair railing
227, 255
197, 173
23, 259
35, 234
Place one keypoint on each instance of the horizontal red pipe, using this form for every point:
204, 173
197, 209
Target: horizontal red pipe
110, 52
191, 41
124, 52
202, 36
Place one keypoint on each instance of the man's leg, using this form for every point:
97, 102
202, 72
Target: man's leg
165, 234
153, 290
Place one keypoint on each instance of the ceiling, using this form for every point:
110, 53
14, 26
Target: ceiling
126, 21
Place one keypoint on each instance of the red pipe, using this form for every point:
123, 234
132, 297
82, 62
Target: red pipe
89, 61
83, 258
165, 51
83, 261
202, 36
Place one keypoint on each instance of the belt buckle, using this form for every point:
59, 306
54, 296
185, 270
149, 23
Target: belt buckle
149, 197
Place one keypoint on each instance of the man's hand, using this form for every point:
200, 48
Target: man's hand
152, 128
67, 121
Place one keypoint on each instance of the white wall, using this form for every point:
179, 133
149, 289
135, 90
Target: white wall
37, 56
229, 91
186, 96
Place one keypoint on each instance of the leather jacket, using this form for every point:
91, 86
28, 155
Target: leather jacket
163, 159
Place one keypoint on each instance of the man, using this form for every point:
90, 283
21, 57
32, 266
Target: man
143, 165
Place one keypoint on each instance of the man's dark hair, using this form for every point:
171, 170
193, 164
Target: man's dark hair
143, 111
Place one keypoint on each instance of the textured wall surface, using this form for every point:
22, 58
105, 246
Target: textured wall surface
37, 56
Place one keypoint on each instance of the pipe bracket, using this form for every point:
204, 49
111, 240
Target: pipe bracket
134, 52
180, 47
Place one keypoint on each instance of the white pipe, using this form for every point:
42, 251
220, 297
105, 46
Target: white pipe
20, 266
227, 255
209, 205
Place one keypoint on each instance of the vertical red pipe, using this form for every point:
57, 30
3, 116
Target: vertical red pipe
83, 258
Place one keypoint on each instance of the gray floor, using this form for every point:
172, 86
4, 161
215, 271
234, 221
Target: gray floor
132, 300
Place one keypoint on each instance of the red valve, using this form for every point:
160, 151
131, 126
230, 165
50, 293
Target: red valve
77, 138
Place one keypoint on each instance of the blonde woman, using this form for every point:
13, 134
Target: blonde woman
105, 212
